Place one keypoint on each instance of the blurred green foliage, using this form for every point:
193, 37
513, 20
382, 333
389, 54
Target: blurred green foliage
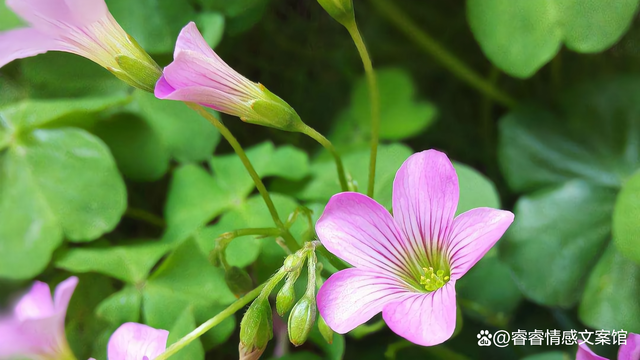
130, 192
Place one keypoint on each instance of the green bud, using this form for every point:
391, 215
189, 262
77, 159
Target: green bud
340, 10
293, 262
256, 327
287, 294
325, 330
301, 320
249, 354
136, 73
238, 280
270, 110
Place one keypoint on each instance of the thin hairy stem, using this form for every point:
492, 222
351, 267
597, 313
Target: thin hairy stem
312, 133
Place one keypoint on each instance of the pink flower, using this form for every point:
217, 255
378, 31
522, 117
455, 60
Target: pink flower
35, 329
629, 351
132, 341
407, 265
197, 74
82, 27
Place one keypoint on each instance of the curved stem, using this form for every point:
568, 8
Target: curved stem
374, 99
200, 330
286, 235
143, 215
312, 133
447, 59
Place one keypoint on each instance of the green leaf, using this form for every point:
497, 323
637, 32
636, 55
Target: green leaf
129, 263
25, 249
626, 219
155, 24
63, 75
567, 226
521, 37
252, 213
184, 325
325, 176
64, 182
138, 149
30, 114
286, 162
121, 307
610, 299
194, 199
189, 137
403, 116
476, 190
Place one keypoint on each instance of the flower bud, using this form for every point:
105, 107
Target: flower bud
238, 280
287, 294
293, 262
340, 10
325, 330
256, 327
301, 320
249, 354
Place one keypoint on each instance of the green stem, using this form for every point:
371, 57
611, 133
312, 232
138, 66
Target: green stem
200, 330
145, 216
461, 70
312, 133
374, 99
286, 235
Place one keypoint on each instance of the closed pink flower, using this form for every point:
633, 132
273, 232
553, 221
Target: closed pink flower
35, 329
406, 265
132, 341
82, 27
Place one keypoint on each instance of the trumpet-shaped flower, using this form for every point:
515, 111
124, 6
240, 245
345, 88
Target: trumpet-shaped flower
197, 74
82, 27
35, 329
133, 341
628, 351
405, 266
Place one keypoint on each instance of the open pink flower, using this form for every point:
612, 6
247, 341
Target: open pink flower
407, 265
132, 341
35, 329
197, 74
82, 27
629, 351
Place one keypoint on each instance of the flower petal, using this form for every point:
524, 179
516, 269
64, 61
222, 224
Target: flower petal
87, 11
35, 304
424, 319
473, 234
353, 296
12, 341
49, 14
22, 43
584, 353
425, 198
630, 350
361, 232
190, 39
132, 341
63, 294
198, 94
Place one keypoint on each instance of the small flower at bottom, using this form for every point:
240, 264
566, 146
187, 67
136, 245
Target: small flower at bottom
133, 341
197, 74
81, 27
405, 265
35, 329
629, 351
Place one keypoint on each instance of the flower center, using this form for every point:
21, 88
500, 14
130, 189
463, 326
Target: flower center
433, 279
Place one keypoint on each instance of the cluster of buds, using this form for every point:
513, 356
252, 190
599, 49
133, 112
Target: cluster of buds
256, 327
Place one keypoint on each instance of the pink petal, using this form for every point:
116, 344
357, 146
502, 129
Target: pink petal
50, 14
473, 234
36, 304
353, 296
87, 11
361, 232
190, 39
197, 94
23, 43
12, 341
630, 350
584, 353
63, 294
425, 198
132, 341
424, 319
